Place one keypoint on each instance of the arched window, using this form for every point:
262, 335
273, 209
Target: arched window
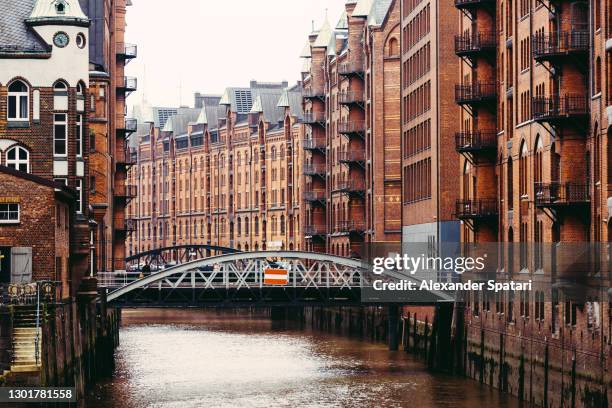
598, 75
80, 89
510, 185
246, 226
18, 158
393, 47
523, 170
60, 86
538, 160
273, 153
18, 102
282, 224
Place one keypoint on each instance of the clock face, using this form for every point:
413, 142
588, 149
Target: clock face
61, 39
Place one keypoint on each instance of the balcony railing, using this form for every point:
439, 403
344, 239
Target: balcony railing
476, 141
353, 226
127, 157
479, 92
314, 170
314, 144
351, 97
314, 118
476, 209
315, 196
128, 51
130, 125
473, 4
352, 127
313, 93
557, 108
351, 156
351, 68
129, 84
350, 187
315, 230
126, 191
556, 45
128, 225
475, 43
555, 194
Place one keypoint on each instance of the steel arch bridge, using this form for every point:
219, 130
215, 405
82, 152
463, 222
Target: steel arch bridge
178, 253
237, 279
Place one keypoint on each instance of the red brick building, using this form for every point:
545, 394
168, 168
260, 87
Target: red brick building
534, 85
227, 173
32, 207
43, 122
352, 109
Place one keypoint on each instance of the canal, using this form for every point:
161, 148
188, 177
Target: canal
189, 358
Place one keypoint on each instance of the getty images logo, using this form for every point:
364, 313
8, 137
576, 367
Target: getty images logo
413, 264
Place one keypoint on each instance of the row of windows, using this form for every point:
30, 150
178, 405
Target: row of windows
417, 138
417, 28
409, 5
417, 65
417, 181
417, 102
18, 99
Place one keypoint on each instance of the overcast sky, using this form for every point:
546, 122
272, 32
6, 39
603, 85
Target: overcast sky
207, 45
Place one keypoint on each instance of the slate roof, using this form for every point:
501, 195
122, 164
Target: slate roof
162, 114
210, 111
292, 99
177, 124
324, 35
241, 100
15, 36
379, 11
362, 9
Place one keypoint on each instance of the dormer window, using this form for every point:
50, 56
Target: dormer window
60, 7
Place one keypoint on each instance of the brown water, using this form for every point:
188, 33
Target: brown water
209, 359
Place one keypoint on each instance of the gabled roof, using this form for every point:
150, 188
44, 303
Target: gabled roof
324, 34
306, 66
342, 22
161, 115
209, 113
363, 8
240, 100
292, 99
15, 36
379, 12
177, 124
306, 51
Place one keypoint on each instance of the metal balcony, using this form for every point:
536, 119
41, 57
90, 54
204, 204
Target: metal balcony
314, 170
350, 227
558, 194
128, 85
554, 47
476, 209
475, 44
126, 158
476, 141
351, 187
352, 128
126, 192
559, 109
314, 118
315, 144
127, 51
352, 68
127, 226
315, 230
130, 126
351, 98
473, 4
477, 93
313, 93
314, 197
352, 157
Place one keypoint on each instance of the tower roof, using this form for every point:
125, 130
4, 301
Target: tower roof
58, 12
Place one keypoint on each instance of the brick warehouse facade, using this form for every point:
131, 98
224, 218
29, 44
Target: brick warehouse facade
226, 174
534, 88
109, 129
352, 112
43, 121
430, 164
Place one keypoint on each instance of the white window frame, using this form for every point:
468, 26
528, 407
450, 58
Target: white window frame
78, 186
17, 161
8, 211
18, 96
79, 136
65, 139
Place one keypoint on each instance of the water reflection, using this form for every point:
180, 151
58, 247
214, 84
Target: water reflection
210, 359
